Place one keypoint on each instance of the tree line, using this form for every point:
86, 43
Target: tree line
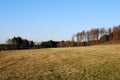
98, 36
17, 43
84, 38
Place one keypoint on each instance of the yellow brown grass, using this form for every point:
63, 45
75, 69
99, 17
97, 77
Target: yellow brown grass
79, 63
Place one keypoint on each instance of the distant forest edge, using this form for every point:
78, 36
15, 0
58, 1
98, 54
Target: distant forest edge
85, 38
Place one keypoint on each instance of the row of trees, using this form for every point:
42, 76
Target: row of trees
84, 38
55, 44
48, 44
97, 36
19, 43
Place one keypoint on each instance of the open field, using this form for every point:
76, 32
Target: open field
79, 63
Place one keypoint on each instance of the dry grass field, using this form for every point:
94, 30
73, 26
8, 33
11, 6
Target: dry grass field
78, 63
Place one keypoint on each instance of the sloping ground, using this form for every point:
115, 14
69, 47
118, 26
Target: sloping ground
79, 63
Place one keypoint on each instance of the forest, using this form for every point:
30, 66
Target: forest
94, 36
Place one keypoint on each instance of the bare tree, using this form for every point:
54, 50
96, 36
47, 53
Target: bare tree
116, 34
9, 41
102, 32
110, 34
73, 41
78, 41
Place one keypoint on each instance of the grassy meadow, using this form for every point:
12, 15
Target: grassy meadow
78, 63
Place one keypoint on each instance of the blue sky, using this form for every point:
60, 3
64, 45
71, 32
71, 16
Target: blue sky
41, 20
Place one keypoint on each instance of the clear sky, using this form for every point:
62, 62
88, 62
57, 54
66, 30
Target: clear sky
41, 20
